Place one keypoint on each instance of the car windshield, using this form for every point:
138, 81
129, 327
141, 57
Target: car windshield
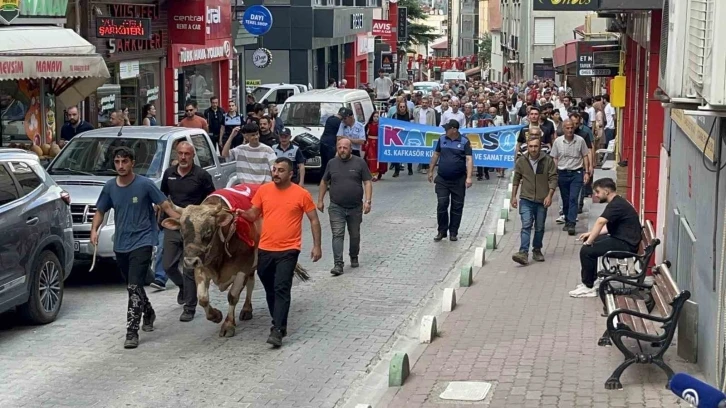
259, 93
94, 156
308, 113
426, 88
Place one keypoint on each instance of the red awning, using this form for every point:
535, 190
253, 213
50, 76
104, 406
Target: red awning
441, 45
473, 71
565, 54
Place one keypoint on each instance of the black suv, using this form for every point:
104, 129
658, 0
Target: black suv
36, 238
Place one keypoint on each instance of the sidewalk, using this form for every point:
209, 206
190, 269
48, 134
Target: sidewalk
517, 328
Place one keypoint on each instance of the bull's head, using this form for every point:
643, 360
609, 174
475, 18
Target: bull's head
200, 227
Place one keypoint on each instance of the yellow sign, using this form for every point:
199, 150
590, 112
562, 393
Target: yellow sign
253, 82
694, 132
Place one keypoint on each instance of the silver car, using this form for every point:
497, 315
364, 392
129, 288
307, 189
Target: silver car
36, 244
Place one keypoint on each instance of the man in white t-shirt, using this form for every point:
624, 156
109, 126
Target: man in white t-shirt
383, 86
609, 120
254, 159
454, 114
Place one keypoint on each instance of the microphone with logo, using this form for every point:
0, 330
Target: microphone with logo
696, 392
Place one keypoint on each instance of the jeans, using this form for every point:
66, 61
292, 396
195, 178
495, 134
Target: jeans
134, 265
447, 191
173, 253
276, 270
609, 135
339, 218
159, 272
533, 214
570, 183
589, 255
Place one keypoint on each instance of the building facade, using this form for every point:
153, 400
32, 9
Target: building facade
314, 40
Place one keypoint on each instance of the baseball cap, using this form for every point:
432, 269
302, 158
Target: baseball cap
345, 112
286, 132
452, 124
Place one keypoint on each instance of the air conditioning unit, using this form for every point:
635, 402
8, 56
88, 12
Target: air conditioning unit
705, 59
673, 56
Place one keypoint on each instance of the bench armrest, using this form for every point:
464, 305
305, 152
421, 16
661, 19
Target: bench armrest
618, 312
615, 270
625, 281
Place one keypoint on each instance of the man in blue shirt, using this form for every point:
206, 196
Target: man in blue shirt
454, 158
132, 198
352, 130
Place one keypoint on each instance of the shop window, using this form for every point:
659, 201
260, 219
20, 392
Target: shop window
129, 93
199, 83
25, 176
8, 192
18, 99
203, 150
360, 115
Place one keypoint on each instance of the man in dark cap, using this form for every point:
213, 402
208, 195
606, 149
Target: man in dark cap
456, 164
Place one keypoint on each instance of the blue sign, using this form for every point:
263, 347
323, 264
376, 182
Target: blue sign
257, 20
406, 142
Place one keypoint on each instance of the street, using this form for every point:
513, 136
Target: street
338, 325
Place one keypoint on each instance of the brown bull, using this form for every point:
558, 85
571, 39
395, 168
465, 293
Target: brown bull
217, 254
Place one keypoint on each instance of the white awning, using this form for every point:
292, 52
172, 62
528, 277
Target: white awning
52, 53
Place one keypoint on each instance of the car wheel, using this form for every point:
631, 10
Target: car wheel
46, 290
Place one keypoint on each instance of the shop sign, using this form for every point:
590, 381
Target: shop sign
402, 24
128, 69
108, 103
387, 62
120, 46
187, 54
262, 58
253, 82
565, 5
11, 10
257, 20
598, 58
356, 21
196, 21
122, 27
384, 29
150, 11
152, 94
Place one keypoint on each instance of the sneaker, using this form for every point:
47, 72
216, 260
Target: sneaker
560, 219
186, 316
521, 258
537, 255
578, 288
439, 236
275, 338
158, 285
582, 290
132, 340
180, 297
587, 293
148, 324
337, 270
354, 262
282, 331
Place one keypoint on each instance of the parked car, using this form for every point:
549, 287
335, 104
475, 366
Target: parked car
36, 244
86, 163
276, 93
426, 87
305, 115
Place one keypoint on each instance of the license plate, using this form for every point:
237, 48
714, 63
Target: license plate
76, 246
314, 161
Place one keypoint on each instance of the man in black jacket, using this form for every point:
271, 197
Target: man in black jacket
537, 120
215, 119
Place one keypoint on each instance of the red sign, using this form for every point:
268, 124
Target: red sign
196, 21
384, 29
192, 54
121, 27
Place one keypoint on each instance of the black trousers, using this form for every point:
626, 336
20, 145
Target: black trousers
326, 154
589, 255
135, 265
449, 191
399, 166
276, 270
481, 171
172, 258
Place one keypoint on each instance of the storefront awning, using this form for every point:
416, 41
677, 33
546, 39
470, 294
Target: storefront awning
52, 53
565, 54
473, 71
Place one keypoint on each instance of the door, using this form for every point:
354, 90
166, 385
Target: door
12, 273
205, 157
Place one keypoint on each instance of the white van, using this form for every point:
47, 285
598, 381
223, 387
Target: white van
305, 113
447, 76
276, 93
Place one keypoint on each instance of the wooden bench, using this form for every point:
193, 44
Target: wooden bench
628, 264
651, 320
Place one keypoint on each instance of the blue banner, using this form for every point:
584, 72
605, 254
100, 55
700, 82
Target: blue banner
406, 142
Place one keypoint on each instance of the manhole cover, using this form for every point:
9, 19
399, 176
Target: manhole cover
466, 391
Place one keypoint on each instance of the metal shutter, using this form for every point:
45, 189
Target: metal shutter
544, 31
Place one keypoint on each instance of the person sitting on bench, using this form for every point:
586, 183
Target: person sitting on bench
617, 229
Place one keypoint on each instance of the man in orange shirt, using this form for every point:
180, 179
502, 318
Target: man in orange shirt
282, 204
192, 120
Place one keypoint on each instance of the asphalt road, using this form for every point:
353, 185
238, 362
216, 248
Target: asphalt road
338, 325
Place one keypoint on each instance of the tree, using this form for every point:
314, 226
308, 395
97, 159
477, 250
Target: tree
417, 33
485, 50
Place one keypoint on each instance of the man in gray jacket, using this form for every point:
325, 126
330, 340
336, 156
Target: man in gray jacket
424, 114
536, 174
